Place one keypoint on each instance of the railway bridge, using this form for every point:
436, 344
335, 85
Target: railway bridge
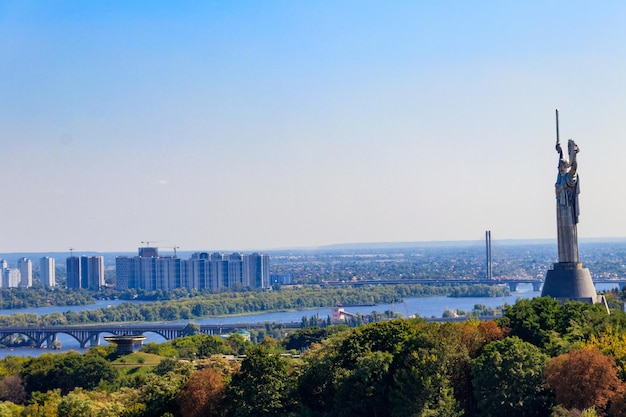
90, 334
512, 283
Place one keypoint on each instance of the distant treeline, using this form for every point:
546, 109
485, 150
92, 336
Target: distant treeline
479, 290
15, 298
228, 303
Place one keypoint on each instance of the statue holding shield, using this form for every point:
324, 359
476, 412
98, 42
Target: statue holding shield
568, 279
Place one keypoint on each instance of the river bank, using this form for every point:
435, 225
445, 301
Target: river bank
422, 306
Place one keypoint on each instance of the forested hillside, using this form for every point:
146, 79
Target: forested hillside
540, 359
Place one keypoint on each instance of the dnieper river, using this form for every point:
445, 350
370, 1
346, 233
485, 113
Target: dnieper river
424, 307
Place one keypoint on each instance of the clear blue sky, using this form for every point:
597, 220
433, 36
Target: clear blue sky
266, 124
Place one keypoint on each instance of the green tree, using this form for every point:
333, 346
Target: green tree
187, 347
12, 365
508, 379
104, 351
36, 372
395, 368
214, 345
260, 387
191, 329
546, 323
43, 404
361, 391
238, 343
533, 320
66, 371
80, 403
423, 372
158, 393
390, 336
8, 409
316, 384
84, 371
416, 393
160, 349
172, 365
75, 406
303, 338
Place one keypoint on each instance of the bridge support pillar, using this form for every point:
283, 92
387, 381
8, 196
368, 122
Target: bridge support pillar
537, 286
48, 340
513, 286
93, 339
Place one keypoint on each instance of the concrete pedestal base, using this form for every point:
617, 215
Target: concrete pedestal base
569, 281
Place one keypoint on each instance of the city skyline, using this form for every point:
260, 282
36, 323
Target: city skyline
260, 126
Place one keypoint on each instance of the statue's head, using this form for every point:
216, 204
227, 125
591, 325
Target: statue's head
563, 165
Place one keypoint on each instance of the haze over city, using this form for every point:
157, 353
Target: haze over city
260, 125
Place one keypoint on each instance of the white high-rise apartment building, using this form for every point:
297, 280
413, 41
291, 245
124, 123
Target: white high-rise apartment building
47, 274
26, 272
10, 278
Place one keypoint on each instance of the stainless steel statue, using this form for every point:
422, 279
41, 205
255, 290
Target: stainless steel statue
568, 279
567, 190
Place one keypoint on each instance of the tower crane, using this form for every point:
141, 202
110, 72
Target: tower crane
175, 247
148, 242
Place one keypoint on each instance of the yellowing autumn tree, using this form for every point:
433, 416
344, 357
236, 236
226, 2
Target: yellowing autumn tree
203, 396
613, 343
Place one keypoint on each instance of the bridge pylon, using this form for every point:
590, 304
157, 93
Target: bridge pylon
93, 338
47, 339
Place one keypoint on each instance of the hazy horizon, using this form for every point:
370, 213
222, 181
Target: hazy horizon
285, 124
341, 246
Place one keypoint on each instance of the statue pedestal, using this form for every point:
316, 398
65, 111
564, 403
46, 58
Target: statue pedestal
569, 281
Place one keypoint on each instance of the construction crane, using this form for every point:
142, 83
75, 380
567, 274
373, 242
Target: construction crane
175, 247
148, 242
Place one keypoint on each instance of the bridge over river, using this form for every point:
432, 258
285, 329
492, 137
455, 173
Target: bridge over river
46, 336
512, 283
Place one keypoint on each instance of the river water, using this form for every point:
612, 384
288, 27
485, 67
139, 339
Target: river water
423, 307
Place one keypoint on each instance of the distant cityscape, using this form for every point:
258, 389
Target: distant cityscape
148, 269
214, 271
81, 272
22, 276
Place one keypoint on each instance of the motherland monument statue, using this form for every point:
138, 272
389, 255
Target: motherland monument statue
568, 280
